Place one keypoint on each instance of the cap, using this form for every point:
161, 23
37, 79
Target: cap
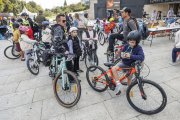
125, 9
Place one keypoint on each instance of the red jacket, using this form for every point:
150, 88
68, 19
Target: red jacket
30, 33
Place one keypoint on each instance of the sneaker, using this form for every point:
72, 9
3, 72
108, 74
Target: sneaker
174, 63
118, 88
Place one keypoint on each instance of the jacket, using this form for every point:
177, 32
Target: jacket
137, 54
26, 43
177, 39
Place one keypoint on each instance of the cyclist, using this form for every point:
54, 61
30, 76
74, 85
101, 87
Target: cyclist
26, 43
128, 25
90, 35
74, 48
131, 52
46, 32
59, 34
16, 36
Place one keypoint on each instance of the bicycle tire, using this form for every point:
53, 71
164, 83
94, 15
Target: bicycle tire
150, 112
13, 52
89, 81
67, 105
88, 59
29, 67
5, 53
101, 38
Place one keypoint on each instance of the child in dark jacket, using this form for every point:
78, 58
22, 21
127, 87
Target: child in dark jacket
131, 52
74, 48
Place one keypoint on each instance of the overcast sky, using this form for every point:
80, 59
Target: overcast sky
53, 3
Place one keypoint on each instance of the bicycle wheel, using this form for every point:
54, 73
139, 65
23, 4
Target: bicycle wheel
14, 52
99, 84
101, 38
91, 60
69, 95
32, 66
147, 98
8, 52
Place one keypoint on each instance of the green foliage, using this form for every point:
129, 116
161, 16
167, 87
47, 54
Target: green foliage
16, 6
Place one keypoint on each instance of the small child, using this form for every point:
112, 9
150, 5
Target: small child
30, 33
131, 52
90, 36
74, 48
16, 36
46, 33
26, 43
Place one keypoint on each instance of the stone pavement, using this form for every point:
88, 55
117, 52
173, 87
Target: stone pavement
27, 97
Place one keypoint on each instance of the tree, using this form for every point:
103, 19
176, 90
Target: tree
1, 6
65, 3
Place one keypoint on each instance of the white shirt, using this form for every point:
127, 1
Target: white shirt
177, 39
46, 35
26, 43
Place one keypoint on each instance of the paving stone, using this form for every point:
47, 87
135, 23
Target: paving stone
51, 108
44, 92
119, 108
92, 112
59, 117
89, 97
33, 83
171, 112
174, 84
9, 88
16, 99
30, 111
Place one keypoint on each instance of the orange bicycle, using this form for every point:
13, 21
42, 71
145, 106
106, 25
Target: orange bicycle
143, 95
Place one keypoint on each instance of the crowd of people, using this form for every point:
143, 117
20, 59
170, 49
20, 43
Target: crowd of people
68, 33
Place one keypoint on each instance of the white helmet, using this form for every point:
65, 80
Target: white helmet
90, 24
73, 29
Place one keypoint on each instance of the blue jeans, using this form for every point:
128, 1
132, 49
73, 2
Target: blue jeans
174, 54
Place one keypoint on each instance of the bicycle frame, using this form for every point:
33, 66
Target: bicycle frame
110, 74
59, 68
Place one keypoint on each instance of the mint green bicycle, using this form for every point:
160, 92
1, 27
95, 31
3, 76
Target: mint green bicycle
67, 88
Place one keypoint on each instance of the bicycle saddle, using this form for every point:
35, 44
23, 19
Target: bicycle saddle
109, 64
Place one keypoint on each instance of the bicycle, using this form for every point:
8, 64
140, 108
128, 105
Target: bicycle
139, 93
64, 81
90, 54
36, 58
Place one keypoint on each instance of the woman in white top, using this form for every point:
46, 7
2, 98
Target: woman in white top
176, 47
46, 32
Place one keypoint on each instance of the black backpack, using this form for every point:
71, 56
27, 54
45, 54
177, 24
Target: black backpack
136, 22
46, 56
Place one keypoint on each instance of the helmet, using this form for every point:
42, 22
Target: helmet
45, 23
73, 29
85, 15
24, 14
15, 25
90, 24
111, 19
23, 28
134, 35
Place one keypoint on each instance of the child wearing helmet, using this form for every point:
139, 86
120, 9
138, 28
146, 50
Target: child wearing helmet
90, 35
26, 43
46, 32
131, 52
74, 48
30, 33
16, 36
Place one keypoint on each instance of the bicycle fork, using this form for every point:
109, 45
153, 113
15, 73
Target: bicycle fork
140, 85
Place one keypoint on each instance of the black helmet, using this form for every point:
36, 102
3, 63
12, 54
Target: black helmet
86, 15
134, 35
15, 25
24, 14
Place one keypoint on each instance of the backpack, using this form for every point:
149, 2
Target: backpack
141, 27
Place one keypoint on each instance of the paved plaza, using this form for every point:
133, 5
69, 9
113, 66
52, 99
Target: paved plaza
24, 96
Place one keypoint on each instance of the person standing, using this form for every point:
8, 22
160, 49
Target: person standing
129, 24
39, 19
176, 47
170, 13
154, 15
68, 22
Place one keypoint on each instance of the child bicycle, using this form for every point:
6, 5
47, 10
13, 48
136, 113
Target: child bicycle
36, 58
143, 95
66, 86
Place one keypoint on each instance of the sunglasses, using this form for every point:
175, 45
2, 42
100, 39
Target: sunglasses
63, 21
